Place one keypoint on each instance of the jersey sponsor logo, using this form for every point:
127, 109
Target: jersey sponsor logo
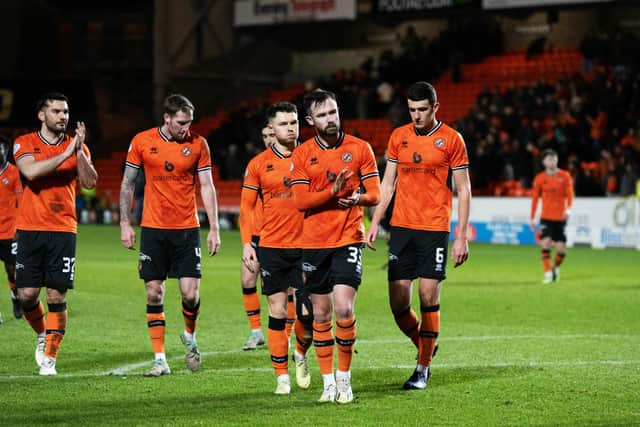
56, 206
331, 177
417, 157
175, 178
281, 194
347, 157
308, 268
186, 151
168, 166
418, 170
439, 143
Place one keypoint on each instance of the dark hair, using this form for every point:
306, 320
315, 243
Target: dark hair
45, 99
280, 107
419, 91
548, 152
6, 156
176, 102
317, 96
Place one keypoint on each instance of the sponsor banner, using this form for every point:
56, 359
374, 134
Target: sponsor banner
266, 12
510, 4
597, 222
404, 6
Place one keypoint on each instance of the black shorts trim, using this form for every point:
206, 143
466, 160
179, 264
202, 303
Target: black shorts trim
8, 250
169, 253
325, 268
45, 259
280, 269
553, 229
417, 253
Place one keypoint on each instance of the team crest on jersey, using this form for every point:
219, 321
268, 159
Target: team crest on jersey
168, 166
154, 150
16, 148
347, 157
404, 144
314, 161
5, 181
417, 157
269, 167
439, 143
186, 151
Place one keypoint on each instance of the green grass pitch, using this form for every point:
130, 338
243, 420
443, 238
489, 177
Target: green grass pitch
512, 351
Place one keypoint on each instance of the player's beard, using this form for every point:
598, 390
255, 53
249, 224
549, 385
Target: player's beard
177, 136
55, 128
331, 129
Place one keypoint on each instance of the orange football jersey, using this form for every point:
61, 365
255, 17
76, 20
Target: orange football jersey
316, 167
269, 173
10, 191
556, 192
48, 203
425, 162
170, 169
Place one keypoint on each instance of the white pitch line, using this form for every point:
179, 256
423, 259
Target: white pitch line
501, 338
516, 364
125, 369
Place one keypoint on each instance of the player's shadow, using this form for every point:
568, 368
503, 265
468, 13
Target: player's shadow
391, 380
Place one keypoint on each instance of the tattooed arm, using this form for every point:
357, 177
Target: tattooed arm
127, 234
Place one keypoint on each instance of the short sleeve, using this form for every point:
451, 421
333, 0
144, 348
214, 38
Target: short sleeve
251, 176
392, 147
134, 154
204, 163
298, 173
458, 155
368, 167
21, 148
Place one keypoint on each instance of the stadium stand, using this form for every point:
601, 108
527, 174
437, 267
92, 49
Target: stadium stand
498, 104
